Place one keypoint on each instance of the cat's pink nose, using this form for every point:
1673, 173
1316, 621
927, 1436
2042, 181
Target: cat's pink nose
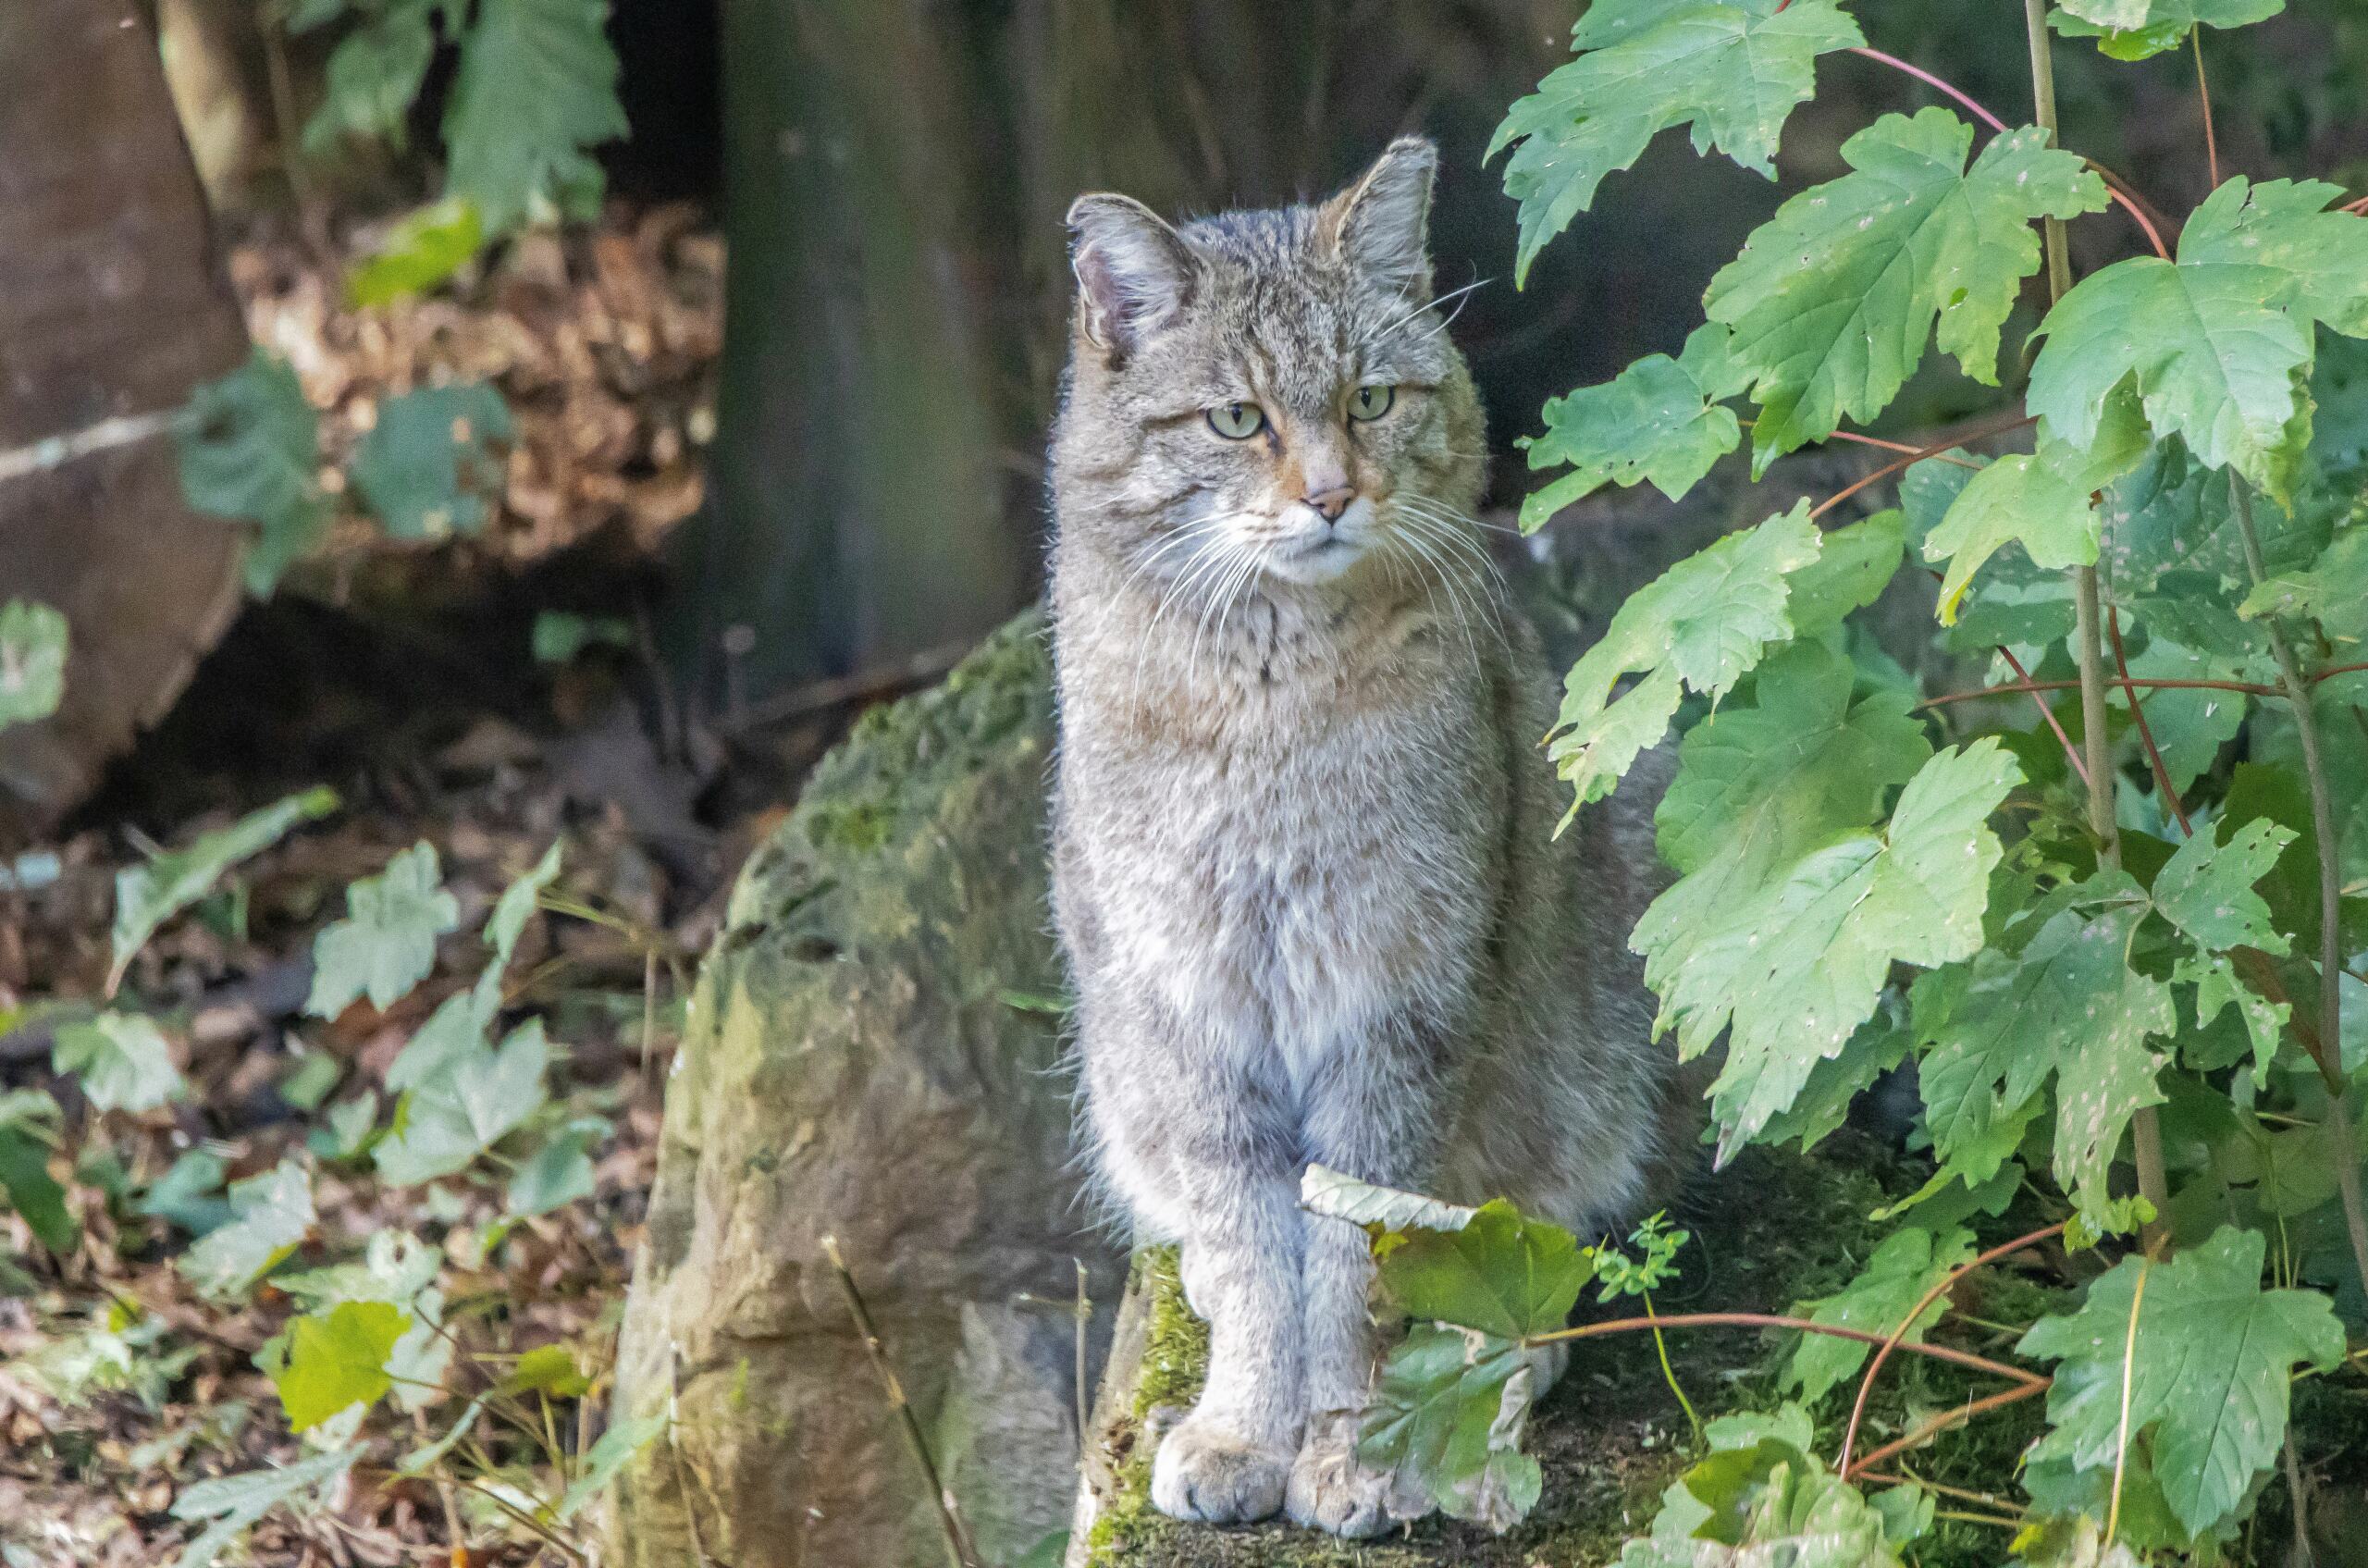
1332, 503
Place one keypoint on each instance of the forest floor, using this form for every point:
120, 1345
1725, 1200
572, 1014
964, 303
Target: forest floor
400, 675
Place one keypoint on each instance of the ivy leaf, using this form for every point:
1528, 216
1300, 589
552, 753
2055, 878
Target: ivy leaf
1908, 1263
337, 1359
537, 85
399, 1270
2017, 498
1832, 299
1704, 623
1446, 1420
33, 661
235, 1503
250, 449
2136, 30
2207, 888
1661, 419
426, 468
386, 944
270, 1214
2207, 1372
148, 896
611, 1453
125, 1062
2068, 1004
1501, 1273
1853, 567
1793, 967
1733, 70
459, 1113
421, 251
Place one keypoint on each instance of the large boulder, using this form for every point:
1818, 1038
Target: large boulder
865, 1060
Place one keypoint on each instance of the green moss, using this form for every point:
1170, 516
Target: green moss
1176, 1343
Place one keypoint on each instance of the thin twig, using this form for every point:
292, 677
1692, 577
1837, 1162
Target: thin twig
2071, 752
2203, 89
1773, 1320
1915, 456
2145, 730
1928, 80
2129, 1378
2303, 1556
1897, 1338
959, 1554
1948, 1418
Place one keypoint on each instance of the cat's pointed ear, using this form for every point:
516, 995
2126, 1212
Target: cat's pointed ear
1382, 224
1134, 273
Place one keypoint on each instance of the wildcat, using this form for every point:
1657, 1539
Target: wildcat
1304, 863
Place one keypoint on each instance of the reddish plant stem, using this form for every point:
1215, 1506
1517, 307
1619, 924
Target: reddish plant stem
1916, 455
2015, 688
2204, 90
2071, 752
2145, 731
1898, 1337
1949, 1418
1773, 1320
2359, 207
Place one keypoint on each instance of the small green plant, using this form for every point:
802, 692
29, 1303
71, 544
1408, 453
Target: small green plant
2119, 941
534, 91
33, 661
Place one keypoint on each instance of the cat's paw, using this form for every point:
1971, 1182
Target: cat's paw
1332, 1489
1207, 1473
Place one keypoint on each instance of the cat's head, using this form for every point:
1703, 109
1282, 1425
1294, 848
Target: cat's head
1269, 393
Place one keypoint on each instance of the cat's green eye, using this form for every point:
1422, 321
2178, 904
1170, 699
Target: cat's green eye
1237, 422
1371, 402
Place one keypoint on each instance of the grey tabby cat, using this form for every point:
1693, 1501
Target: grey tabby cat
1303, 855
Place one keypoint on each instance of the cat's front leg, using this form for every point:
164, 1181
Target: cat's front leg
1202, 1138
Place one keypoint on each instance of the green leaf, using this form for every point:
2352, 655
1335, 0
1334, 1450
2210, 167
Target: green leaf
1908, 1263
2067, 1004
386, 944
372, 76
1446, 1421
235, 1503
271, 1214
446, 1122
2018, 499
421, 251
1501, 1273
1761, 785
33, 661
456, 1028
146, 896
337, 1359
611, 1453
558, 636
426, 468
560, 1171
2206, 1376
2136, 30
1832, 300
2285, 225
24, 1171
1823, 1105
428, 1456
2334, 592
1704, 623
1851, 571
537, 86
2207, 888
250, 449
517, 905
1763, 1505
399, 1270
1733, 70
1660, 419
1792, 968
125, 1061
549, 1369
186, 1194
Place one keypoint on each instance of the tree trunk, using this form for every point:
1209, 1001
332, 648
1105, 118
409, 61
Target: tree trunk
110, 310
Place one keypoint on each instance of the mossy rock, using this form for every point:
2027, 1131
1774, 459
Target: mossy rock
854, 1066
